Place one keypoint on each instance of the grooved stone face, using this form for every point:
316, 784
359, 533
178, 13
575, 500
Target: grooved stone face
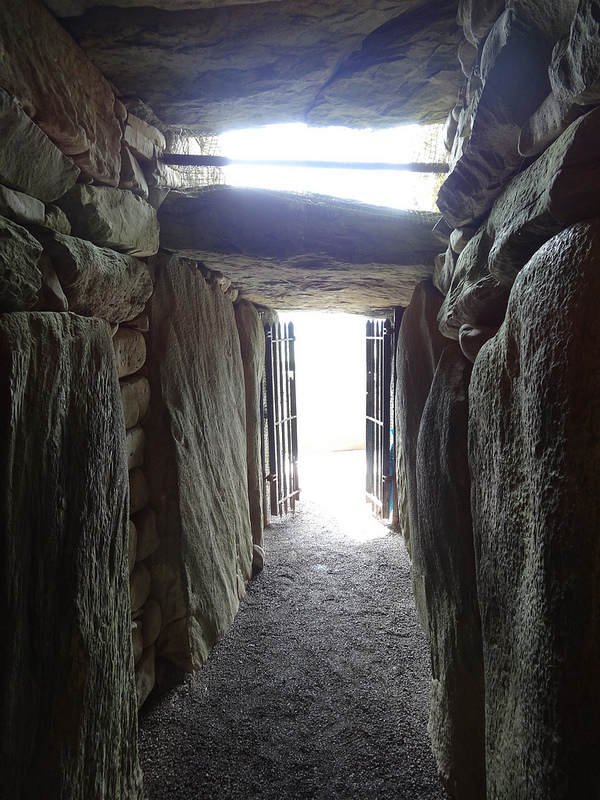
535, 464
68, 724
20, 272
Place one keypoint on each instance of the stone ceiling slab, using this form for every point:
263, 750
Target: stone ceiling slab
301, 252
243, 66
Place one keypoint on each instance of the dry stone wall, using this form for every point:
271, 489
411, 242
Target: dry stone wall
503, 534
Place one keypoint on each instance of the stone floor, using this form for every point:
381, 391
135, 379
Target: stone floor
320, 689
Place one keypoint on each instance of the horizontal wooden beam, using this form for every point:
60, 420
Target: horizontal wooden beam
179, 160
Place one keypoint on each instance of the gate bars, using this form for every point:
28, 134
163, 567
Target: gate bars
380, 460
281, 418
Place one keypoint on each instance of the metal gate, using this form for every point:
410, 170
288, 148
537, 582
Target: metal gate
379, 442
282, 430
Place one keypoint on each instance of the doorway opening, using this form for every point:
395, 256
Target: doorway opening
334, 416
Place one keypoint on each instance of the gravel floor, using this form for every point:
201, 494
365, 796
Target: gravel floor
320, 689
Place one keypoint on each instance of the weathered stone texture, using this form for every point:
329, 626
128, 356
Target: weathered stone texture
252, 343
147, 537
45, 177
535, 463
292, 252
130, 351
21, 208
196, 461
575, 68
112, 218
20, 273
243, 66
419, 347
98, 282
60, 89
404, 70
135, 394
499, 101
72, 8
443, 575
68, 723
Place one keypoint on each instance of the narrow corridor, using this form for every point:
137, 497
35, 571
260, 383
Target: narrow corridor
320, 688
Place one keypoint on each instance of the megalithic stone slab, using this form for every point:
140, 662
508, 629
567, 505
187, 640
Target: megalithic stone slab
252, 342
196, 461
487, 142
419, 347
60, 89
443, 576
21, 208
20, 271
112, 218
68, 724
575, 68
97, 281
478, 16
47, 176
535, 465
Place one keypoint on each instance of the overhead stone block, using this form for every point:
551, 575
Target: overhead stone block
112, 218
60, 89
97, 281
419, 347
535, 464
45, 177
72, 8
478, 17
68, 721
405, 70
443, 576
249, 65
196, 462
343, 255
20, 270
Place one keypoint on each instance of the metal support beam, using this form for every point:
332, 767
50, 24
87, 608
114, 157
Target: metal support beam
179, 160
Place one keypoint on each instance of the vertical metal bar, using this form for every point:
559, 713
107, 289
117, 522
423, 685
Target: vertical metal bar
294, 415
269, 331
385, 429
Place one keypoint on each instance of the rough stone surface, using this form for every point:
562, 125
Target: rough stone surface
145, 675
243, 66
575, 68
132, 177
68, 725
475, 297
443, 576
139, 493
72, 8
147, 539
60, 89
98, 282
196, 456
45, 177
404, 70
252, 343
546, 124
21, 208
478, 16
112, 218
56, 219
136, 640
486, 149
135, 394
151, 622
134, 445
133, 546
130, 351
535, 462
419, 347
139, 587
559, 189
310, 252
20, 272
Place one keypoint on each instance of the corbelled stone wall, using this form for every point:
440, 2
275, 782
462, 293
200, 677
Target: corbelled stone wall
498, 458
